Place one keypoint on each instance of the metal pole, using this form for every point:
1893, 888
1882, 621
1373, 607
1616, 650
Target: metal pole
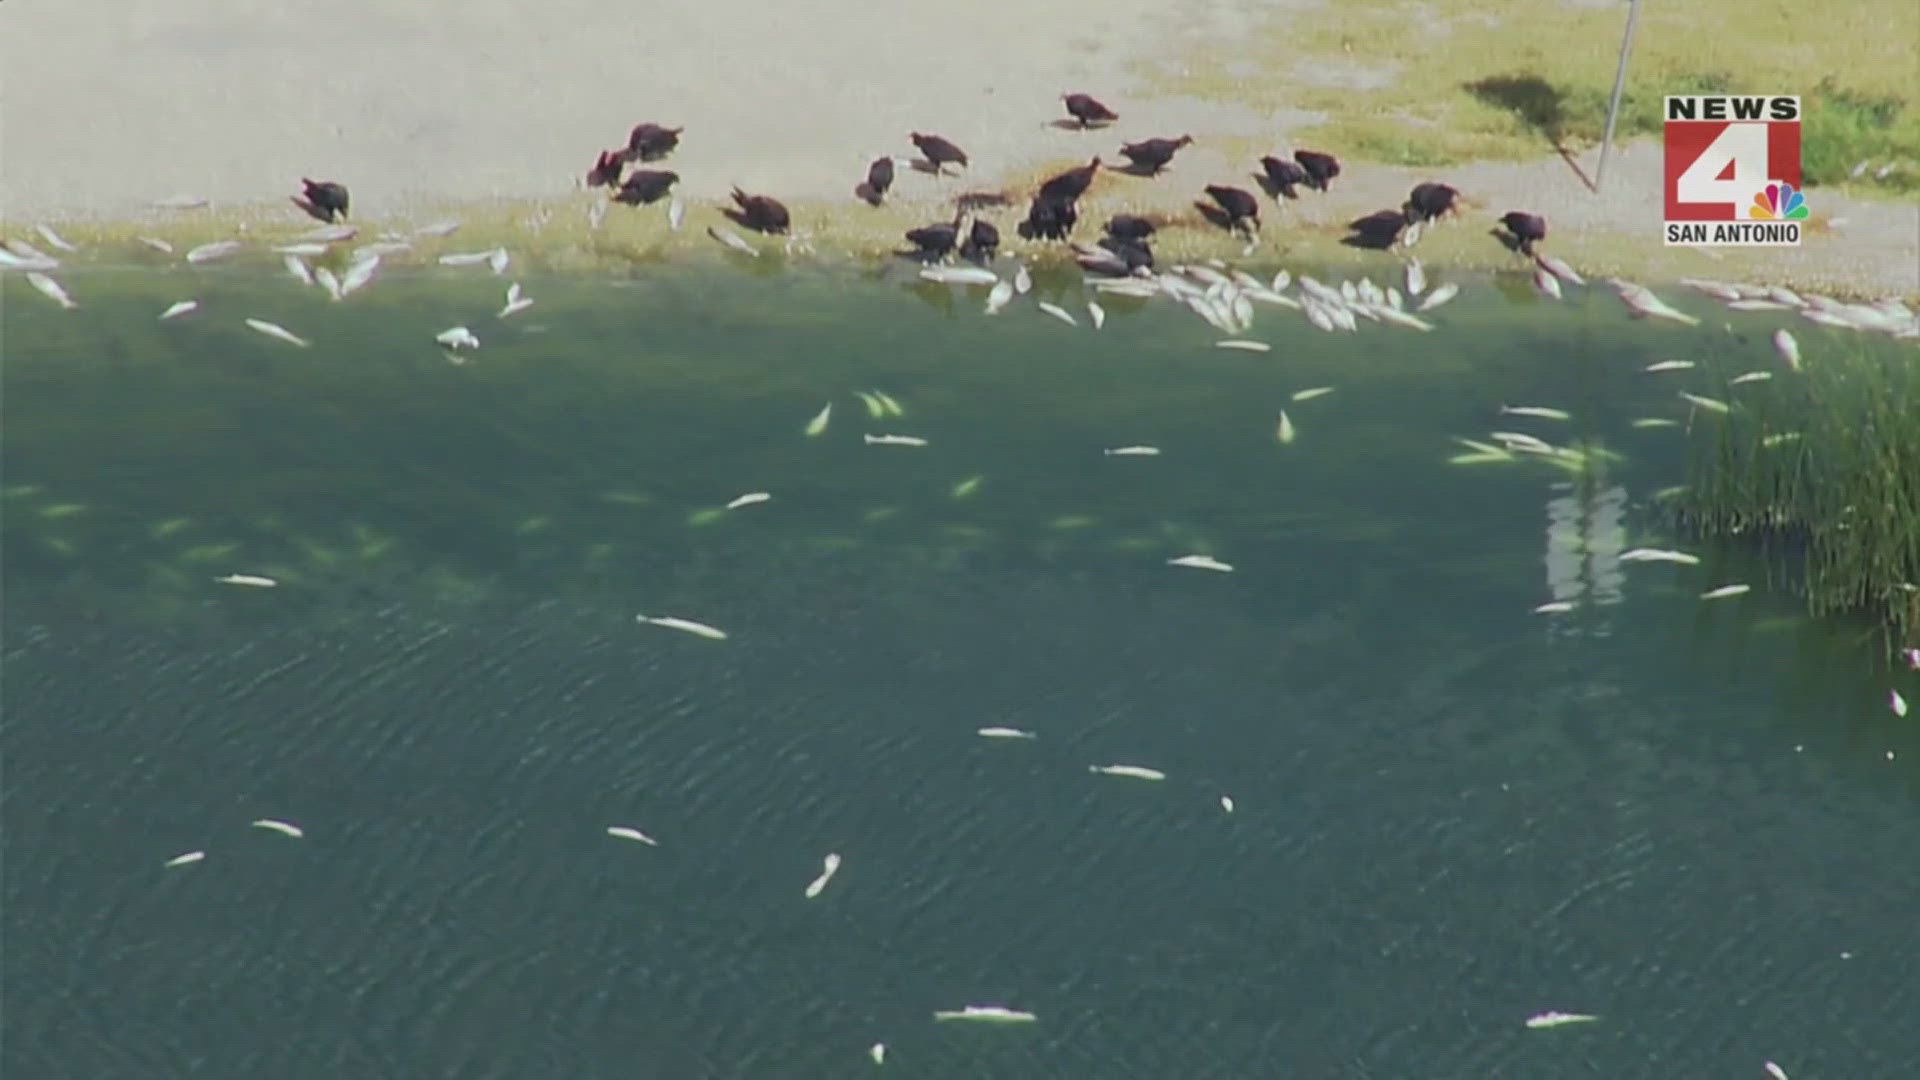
1613, 107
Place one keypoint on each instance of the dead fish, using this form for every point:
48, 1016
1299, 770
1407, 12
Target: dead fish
875, 410
298, 268
1710, 404
1788, 348
732, 239
465, 258
1312, 392
1897, 703
1005, 733
284, 828
1643, 304
438, 228
750, 499
1548, 285
688, 625
219, 249
302, 249
254, 580
1659, 555
1285, 431
1655, 422
330, 234
878, 1052
1400, 318
1058, 312
1725, 591
359, 274
820, 419
179, 308
1243, 345
54, 238
1556, 1019
1439, 296
888, 406
1022, 281
1669, 365
989, 1013
157, 244
1138, 772
1751, 376
51, 290
15, 255
1201, 562
1132, 451
1775, 1071
966, 487
1558, 269
960, 275
1516, 440
1554, 608
457, 337
514, 306
628, 832
1540, 411
829, 867
183, 860
1226, 803
676, 213
1097, 313
998, 298
1757, 305
275, 330
497, 260
1416, 278
894, 440
324, 278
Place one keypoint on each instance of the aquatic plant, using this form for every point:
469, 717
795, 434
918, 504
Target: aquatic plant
1820, 465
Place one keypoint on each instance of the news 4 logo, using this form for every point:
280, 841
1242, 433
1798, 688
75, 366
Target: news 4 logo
1733, 170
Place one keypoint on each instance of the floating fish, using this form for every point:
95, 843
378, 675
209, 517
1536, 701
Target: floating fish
275, 330
1201, 562
1775, 1071
437, 229
1547, 284
1788, 348
1022, 281
1710, 404
1285, 431
732, 239
331, 234
1757, 305
514, 307
1751, 376
750, 499
23, 252
284, 828
1520, 441
1642, 303
960, 275
1725, 591
886, 401
457, 337
1556, 1019
1059, 312
157, 244
465, 258
54, 238
1669, 365
688, 625
1132, 451
497, 260
1558, 269
1659, 555
1138, 772
1311, 393
1244, 345
219, 249
1416, 278
1005, 733
998, 298
51, 290
1778, 438
875, 410
878, 1052
676, 213
1554, 608
1097, 313
189, 857
987, 1013
830, 866
1912, 657
302, 249
1226, 803
298, 268
1439, 296
628, 832
818, 424
1540, 411
966, 487
1400, 318
254, 580
359, 274
894, 440
324, 278
179, 308
1897, 703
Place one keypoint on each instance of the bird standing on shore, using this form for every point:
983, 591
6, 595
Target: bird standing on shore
879, 179
324, 199
1049, 218
939, 152
646, 186
983, 239
934, 242
761, 213
1430, 201
1527, 229
1153, 155
1378, 230
1072, 184
1320, 168
1084, 108
1284, 175
1242, 209
651, 142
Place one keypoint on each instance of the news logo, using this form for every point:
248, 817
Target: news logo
1733, 170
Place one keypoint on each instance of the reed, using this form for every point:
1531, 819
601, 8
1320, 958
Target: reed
1822, 469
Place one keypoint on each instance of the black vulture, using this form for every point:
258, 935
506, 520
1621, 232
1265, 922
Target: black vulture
606, 169
934, 242
983, 239
325, 199
1072, 184
1152, 155
1320, 167
1527, 229
1129, 227
761, 213
645, 186
939, 152
651, 142
1240, 206
879, 179
1084, 108
1284, 175
1049, 219
1430, 201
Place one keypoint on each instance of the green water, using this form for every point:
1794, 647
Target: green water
1450, 813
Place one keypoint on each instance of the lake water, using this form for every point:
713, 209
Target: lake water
1451, 813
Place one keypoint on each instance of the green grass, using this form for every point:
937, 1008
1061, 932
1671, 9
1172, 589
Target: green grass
1823, 469
1456, 80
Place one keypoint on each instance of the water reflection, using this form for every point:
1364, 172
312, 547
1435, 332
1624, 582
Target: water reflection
1586, 532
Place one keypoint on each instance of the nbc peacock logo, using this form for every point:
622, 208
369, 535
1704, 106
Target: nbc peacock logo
1778, 201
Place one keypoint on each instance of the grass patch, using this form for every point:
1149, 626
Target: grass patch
1822, 469
1461, 80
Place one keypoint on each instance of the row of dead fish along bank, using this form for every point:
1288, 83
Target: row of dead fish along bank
1819, 463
